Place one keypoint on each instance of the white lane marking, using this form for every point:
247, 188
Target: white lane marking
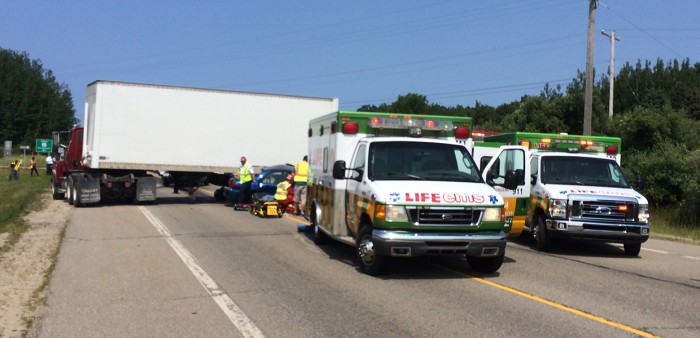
232, 311
657, 251
691, 257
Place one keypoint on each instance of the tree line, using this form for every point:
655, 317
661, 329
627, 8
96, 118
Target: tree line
32, 102
656, 113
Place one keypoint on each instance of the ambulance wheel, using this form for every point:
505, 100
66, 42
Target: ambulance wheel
320, 237
541, 235
369, 261
632, 249
485, 264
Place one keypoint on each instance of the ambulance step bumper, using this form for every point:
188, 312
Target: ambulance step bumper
412, 244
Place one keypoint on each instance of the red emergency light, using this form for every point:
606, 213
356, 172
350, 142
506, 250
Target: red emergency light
430, 124
461, 133
611, 150
350, 127
374, 121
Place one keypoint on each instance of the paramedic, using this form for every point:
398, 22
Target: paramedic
284, 193
301, 176
246, 174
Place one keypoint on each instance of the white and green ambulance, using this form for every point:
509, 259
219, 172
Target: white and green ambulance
564, 186
396, 185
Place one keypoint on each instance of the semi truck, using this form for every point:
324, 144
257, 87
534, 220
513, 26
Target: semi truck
401, 185
132, 130
564, 186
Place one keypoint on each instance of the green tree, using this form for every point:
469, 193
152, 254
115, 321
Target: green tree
32, 103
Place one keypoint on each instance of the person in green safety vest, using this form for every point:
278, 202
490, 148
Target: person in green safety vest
246, 174
284, 194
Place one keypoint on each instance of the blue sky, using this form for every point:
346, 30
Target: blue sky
362, 52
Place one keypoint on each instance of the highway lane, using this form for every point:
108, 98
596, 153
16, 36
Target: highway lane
117, 275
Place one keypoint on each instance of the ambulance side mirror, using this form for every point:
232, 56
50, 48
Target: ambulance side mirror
339, 170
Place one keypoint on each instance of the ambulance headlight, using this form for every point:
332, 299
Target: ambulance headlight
492, 215
557, 208
643, 213
391, 213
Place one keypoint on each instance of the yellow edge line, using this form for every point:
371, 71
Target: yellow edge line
553, 304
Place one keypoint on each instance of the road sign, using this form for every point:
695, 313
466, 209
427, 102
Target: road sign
44, 146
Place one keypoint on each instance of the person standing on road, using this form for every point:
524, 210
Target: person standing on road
32, 167
49, 164
301, 177
246, 174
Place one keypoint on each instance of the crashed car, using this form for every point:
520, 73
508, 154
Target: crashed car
265, 182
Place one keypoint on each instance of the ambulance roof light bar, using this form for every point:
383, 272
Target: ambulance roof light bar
408, 122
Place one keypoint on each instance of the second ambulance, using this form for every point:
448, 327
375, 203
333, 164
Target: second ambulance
564, 186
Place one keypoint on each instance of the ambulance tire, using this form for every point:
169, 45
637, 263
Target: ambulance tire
485, 264
632, 249
369, 262
320, 237
542, 235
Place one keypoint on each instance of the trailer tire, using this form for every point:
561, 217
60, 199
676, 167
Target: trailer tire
54, 190
69, 190
369, 262
485, 264
541, 235
76, 200
632, 249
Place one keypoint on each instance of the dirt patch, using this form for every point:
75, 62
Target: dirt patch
23, 269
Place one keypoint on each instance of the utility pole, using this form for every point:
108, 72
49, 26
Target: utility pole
612, 68
588, 99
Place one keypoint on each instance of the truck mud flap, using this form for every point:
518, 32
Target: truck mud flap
87, 189
146, 189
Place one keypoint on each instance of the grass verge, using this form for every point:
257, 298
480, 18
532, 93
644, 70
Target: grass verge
663, 228
19, 197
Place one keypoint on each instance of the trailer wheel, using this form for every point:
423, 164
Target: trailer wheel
69, 190
369, 261
632, 249
76, 200
54, 190
485, 264
541, 235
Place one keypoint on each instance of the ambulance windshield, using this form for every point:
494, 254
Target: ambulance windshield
578, 170
405, 160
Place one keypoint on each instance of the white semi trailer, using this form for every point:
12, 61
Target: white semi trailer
132, 129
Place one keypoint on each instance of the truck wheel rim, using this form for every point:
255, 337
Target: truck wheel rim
366, 250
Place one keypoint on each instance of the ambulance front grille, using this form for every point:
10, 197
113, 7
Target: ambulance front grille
441, 216
604, 210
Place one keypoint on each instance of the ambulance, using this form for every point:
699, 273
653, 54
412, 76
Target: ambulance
402, 185
564, 186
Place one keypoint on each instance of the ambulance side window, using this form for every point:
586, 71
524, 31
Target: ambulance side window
359, 162
509, 160
535, 170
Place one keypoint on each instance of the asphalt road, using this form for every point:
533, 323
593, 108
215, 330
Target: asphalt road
182, 268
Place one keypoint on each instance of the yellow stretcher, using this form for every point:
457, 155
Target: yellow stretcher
264, 205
